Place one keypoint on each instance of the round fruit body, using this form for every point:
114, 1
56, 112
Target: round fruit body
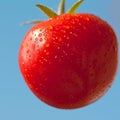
69, 61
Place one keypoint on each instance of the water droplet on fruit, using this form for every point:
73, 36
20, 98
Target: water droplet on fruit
36, 88
80, 23
45, 59
50, 27
99, 32
75, 35
40, 85
40, 34
30, 39
55, 56
36, 39
84, 27
60, 39
47, 53
105, 54
67, 37
28, 51
56, 38
87, 18
26, 70
67, 27
68, 44
64, 31
45, 79
26, 45
58, 47
47, 45
114, 48
65, 53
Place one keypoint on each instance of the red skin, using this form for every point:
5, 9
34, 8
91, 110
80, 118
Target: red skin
69, 61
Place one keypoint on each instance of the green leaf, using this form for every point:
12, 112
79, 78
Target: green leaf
50, 13
61, 7
75, 6
31, 22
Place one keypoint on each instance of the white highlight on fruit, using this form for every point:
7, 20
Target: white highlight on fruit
39, 39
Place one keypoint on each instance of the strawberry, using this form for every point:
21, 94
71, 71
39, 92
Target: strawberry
70, 60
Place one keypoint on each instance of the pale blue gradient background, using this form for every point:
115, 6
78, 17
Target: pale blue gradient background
16, 101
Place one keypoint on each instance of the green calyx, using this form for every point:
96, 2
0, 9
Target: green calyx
61, 8
51, 14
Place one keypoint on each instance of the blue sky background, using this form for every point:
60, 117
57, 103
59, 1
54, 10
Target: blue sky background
16, 101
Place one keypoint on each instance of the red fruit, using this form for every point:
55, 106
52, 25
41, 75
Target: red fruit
69, 61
